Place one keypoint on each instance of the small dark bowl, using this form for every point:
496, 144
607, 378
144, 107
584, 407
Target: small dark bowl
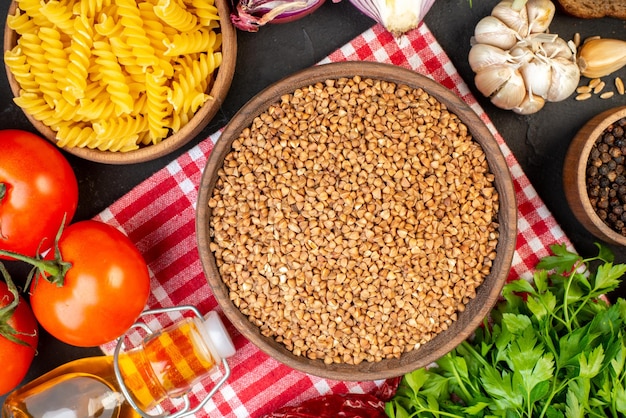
575, 175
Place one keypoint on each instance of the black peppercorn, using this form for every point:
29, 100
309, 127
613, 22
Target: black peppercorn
606, 176
615, 152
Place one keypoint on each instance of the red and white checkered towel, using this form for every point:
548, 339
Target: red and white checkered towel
159, 217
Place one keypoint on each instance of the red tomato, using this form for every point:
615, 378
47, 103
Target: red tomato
16, 357
37, 189
103, 292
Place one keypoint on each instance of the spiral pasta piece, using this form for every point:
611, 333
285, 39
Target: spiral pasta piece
201, 40
158, 33
174, 15
134, 34
124, 126
54, 52
75, 83
59, 15
15, 61
21, 23
157, 106
120, 133
75, 135
113, 77
35, 57
37, 107
32, 9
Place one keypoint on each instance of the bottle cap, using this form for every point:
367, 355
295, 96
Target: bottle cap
216, 331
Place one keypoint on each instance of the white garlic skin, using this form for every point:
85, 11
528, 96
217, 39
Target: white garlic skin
491, 30
540, 15
511, 94
564, 80
515, 19
485, 55
517, 64
530, 105
537, 77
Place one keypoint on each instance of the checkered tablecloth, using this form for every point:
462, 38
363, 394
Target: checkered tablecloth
159, 215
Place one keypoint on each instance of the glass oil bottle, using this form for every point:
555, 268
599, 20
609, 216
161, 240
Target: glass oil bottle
134, 382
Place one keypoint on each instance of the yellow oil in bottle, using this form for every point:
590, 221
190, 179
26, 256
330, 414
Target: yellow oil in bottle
166, 365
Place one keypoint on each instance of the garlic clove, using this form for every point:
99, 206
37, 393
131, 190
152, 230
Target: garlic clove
491, 30
600, 57
537, 74
540, 15
531, 104
564, 79
511, 94
491, 79
485, 55
515, 19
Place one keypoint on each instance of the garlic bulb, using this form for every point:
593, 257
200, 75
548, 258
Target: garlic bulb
518, 64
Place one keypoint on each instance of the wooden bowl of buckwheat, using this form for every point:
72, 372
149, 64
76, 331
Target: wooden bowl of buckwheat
356, 221
107, 90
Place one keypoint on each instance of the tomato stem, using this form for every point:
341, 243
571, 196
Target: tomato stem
6, 312
3, 190
53, 270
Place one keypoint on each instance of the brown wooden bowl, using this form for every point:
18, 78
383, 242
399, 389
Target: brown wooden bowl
575, 173
486, 294
217, 91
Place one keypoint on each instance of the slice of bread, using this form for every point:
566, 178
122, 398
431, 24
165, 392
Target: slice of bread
593, 9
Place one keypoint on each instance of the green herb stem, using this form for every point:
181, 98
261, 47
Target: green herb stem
461, 384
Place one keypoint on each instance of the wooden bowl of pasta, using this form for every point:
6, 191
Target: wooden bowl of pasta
124, 83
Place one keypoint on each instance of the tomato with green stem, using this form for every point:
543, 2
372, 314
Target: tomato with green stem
19, 334
38, 189
92, 287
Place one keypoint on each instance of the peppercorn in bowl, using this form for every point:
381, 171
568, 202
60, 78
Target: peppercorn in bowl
356, 221
594, 176
119, 82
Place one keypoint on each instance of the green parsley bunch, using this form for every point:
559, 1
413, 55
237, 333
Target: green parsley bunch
552, 348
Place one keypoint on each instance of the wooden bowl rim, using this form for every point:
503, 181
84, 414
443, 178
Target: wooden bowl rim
218, 91
578, 153
475, 311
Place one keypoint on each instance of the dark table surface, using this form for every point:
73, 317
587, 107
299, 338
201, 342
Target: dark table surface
538, 141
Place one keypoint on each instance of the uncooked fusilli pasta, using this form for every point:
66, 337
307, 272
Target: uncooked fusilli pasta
175, 15
113, 74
